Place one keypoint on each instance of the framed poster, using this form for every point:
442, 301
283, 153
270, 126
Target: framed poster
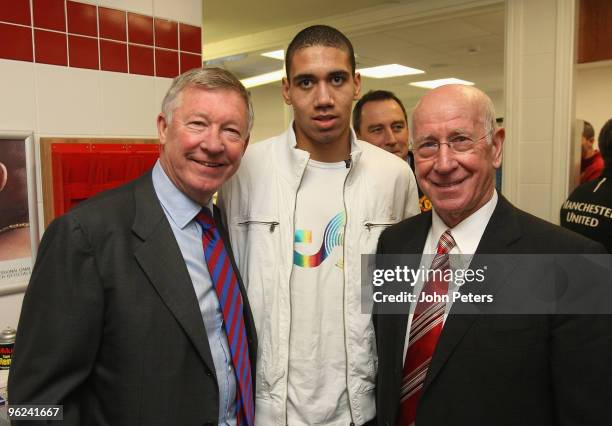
18, 212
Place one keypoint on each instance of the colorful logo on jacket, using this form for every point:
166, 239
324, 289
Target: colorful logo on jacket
332, 237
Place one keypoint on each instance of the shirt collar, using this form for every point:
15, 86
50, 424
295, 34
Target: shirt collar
468, 232
178, 207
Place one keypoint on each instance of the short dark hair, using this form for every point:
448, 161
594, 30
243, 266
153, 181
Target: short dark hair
605, 143
373, 96
319, 35
587, 131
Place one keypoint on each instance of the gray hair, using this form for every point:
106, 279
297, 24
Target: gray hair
207, 78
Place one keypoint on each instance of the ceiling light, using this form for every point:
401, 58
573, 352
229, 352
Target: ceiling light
275, 54
260, 80
432, 84
387, 71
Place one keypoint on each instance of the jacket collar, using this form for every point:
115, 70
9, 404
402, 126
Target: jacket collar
293, 161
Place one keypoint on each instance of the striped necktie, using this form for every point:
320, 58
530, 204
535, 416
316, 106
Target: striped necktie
425, 330
230, 300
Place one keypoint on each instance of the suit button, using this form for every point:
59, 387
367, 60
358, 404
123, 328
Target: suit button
209, 373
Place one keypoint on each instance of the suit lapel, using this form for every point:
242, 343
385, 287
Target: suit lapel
160, 258
501, 231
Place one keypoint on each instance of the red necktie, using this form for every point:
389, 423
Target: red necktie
228, 292
425, 330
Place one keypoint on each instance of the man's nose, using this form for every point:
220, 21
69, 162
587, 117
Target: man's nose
444, 160
390, 136
324, 97
212, 142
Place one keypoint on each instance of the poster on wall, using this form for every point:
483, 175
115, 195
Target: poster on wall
18, 212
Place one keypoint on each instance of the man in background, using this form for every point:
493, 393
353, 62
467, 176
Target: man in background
592, 163
379, 118
135, 313
440, 363
588, 210
302, 209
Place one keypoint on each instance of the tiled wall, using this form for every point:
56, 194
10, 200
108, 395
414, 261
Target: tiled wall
83, 35
129, 49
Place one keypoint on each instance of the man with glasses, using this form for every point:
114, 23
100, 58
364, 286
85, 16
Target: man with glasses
437, 367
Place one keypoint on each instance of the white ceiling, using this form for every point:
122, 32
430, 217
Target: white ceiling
468, 44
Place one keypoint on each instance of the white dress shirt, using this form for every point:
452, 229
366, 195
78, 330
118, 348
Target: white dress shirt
467, 235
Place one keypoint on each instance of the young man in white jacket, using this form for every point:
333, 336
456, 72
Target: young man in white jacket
301, 210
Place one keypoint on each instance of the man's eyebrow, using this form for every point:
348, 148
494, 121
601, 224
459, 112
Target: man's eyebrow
300, 77
339, 73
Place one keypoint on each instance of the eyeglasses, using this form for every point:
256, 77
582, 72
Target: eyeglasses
458, 144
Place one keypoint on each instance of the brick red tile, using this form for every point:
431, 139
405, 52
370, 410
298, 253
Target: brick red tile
191, 38
140, 29
112, 24
49, 14
166, 34
50, 48
166, 63
18, 12
141, 60
190, 61
83, 52
113, 56
82, 18
20, 46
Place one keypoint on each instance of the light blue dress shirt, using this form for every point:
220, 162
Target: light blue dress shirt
181, 211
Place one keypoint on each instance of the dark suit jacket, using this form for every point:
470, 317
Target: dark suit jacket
501, 369
110, 326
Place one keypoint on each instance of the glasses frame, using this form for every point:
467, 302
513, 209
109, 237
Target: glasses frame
450, 145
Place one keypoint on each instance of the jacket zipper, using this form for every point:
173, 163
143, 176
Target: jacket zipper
344, 263
290, 276
370, 225
273, 224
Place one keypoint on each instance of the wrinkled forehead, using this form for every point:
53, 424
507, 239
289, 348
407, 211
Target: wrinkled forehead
444, 115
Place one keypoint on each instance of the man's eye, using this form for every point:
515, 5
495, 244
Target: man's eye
337, 80
196, 124
428, 144
376, 130
461, 139
233, 132
398, 128
305, 84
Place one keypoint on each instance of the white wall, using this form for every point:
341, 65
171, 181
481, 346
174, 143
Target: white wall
52, 100
594, 94
272, 116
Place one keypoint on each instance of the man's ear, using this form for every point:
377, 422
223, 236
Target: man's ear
3, 176
497, 145
162, 127
286, 91
357, 79
246, 143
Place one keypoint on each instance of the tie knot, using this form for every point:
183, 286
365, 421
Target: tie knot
446, 243
205, 218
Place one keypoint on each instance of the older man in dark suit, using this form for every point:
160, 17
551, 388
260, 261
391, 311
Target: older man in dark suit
135, 313
441, 363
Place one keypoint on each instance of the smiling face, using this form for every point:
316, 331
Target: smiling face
457, 184
203, 144
383, 124
321, 89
